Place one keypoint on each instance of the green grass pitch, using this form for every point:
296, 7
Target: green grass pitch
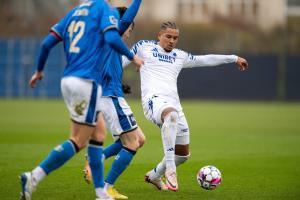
255, 145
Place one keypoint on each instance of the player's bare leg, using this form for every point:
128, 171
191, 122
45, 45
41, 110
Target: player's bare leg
135, 141
141, 138
131, 143
101, 130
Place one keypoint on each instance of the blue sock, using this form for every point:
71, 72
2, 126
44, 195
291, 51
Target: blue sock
59, 156
113, 149
120, 163
95, 151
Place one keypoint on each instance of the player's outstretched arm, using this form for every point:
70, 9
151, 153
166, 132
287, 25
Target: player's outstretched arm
215, 60
48, 43
129, 16
242, 64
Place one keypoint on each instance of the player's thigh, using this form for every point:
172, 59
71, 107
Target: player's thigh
82, 99
81, 133
154, 107
118, 115
100, 131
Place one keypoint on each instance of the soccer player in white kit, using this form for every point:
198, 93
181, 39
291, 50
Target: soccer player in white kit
160, 100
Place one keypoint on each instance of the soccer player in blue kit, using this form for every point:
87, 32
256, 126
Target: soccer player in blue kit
85, 30
116, 112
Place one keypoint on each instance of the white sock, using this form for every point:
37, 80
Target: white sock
168, 133
107, 185
160, 169
100, 192
38, 174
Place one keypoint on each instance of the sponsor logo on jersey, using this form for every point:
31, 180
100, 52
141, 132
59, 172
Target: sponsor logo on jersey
155, 50
163, 57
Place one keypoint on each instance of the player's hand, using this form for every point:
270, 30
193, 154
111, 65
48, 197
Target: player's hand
138, 61
35, 77
242, 64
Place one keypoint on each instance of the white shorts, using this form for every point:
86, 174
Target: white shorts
153, 109
117, 115
81, 97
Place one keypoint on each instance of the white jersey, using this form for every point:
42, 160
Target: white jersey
161, 69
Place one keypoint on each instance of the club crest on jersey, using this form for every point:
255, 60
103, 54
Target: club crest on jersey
113, 20
163, 57
79, 108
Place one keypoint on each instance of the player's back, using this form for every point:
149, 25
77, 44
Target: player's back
111, 72
82, 33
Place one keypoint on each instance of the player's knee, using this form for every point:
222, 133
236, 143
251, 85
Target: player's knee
181, 159
99, 135
142, 142
171, 118
141, 138
130, 140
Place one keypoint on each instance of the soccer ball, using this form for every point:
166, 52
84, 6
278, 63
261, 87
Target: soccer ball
209, 177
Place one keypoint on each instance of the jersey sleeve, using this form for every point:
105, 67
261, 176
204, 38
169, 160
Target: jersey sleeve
125, 62
129, 15
58, 29
48, 43
135, 49
110, 18
207, 60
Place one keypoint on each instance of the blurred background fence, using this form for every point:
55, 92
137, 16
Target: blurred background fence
262, 81
265, 32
